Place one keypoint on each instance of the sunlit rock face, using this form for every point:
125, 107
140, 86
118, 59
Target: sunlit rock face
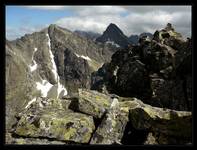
51, 63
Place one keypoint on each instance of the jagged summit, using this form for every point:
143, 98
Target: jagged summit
167, 33
113, 34
113, 28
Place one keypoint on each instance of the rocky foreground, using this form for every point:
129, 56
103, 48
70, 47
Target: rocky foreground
95, 118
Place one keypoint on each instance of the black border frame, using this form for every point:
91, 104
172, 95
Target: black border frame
90, 2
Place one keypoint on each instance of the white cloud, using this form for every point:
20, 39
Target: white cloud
97, 10
135, 19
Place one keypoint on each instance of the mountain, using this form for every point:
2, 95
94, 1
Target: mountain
51, 63
134, 39
113, 35
88, 34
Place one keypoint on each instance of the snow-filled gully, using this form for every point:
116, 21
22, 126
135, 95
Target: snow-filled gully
44, 86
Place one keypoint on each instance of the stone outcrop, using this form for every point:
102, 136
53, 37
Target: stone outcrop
157, 71
49, 119
55, 120
112, 127
93, 103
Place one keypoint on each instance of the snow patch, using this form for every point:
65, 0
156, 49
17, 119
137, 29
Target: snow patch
54, 68
60, 87
34, 66
84, 57
112, 43
44, 87
30, 102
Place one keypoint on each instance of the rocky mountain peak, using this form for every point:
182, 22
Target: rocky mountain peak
113, 28
167, 34
114, 36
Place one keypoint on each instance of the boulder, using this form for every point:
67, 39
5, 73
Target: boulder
173, 124
168, 93
56, 124
112, 127
133, 80
16, 140
53, 121
93, 103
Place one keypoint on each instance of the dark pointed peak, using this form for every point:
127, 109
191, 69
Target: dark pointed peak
113, 27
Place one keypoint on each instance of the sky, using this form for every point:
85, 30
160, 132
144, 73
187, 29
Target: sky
131, 20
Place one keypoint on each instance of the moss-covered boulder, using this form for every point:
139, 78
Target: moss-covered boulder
112, 127
166, 122
57, 124
51, 118
93, 103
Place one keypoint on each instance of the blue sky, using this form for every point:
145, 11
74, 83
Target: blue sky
131, 19
16, 15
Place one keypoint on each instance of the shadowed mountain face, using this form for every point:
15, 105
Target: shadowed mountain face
113, 35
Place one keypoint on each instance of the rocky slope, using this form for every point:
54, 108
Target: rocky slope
51, 63
157, 71
94, 118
